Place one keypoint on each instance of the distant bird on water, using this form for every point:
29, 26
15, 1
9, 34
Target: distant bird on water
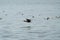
48, 18
27, 20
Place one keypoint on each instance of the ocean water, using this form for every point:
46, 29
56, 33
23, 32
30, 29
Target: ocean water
14, 12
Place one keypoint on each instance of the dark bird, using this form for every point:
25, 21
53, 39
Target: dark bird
48, 18
27, 20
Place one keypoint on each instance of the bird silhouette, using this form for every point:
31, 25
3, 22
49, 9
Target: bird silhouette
27, 20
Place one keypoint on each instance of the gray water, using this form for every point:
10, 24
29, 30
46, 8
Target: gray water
14, 12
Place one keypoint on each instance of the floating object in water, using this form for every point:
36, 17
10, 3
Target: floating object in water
27, 20
48, 18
